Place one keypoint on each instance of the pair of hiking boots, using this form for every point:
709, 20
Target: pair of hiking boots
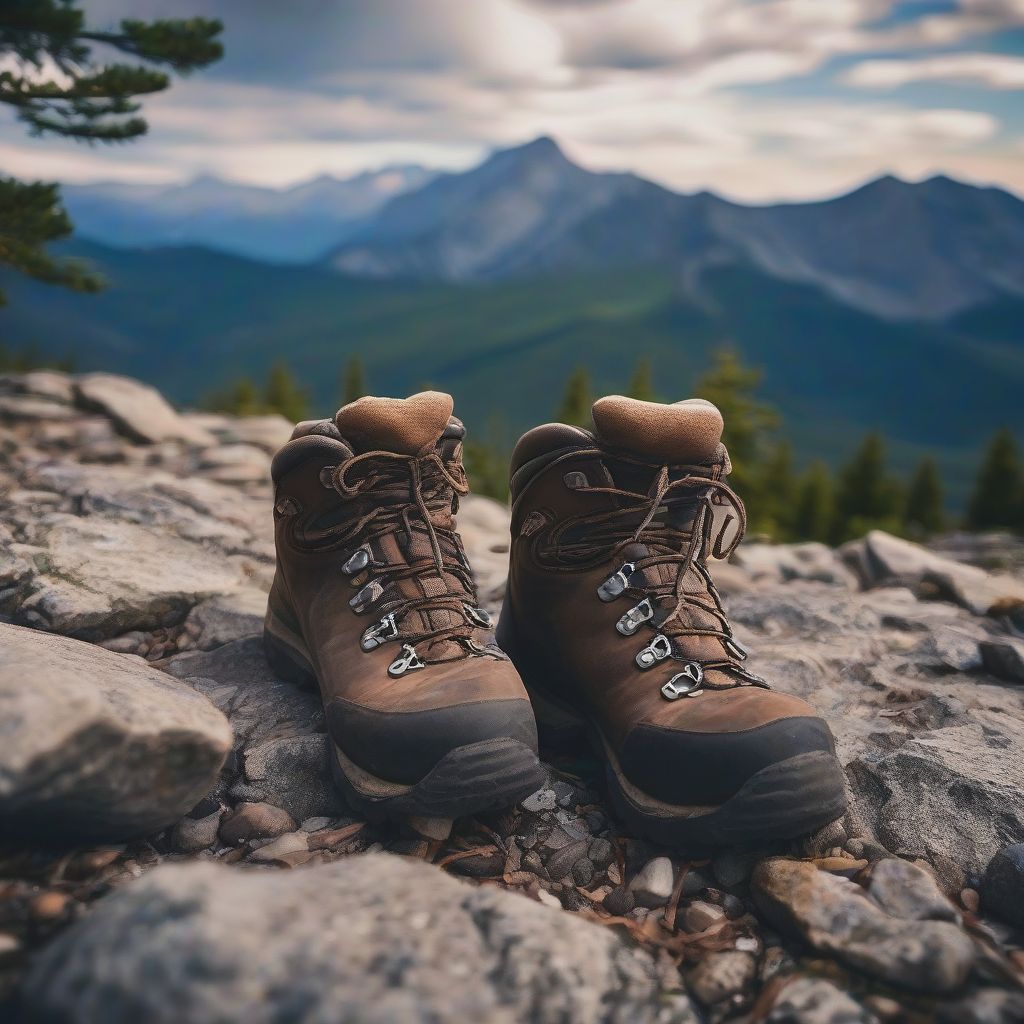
612, 630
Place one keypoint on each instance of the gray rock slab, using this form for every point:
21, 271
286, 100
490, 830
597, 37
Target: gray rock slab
96, 745
373, 939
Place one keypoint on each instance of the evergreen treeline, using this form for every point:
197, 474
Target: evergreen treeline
783, 502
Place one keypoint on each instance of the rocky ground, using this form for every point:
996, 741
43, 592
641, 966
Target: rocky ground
135, 545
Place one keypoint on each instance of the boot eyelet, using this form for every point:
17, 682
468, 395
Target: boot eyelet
407, 661
616, 583
362, 599
356, 563
657, 650
635, 617
686, 683
380, 633
479, 616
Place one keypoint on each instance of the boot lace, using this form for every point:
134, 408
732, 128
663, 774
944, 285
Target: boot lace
590, 538
449, 611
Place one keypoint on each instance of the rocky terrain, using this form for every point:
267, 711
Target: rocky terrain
173, 849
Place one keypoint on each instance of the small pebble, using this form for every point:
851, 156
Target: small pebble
619, 901
282, 846
542, 800
652, 887
970, 900
695, 883
48, 906
255, 821
583, 872
548, 899
700, 915
601, 853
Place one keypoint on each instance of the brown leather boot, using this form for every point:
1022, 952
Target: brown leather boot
374, 600
615, 626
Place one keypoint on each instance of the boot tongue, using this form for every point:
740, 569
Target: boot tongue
407, 426
687, 432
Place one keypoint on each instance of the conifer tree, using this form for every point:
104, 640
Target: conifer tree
749, 423
777, 488
284, 396
815, 505
577, 400
641, 386
354, 383
997, 498
923, 514
57, 86
866, 496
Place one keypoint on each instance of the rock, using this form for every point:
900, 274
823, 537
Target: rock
292, 773
561, 862
583, 872
229, 617
56, 387
834, 916
255, 821
957, 792
949, 649
266, 432
652, 887
1004, 658
700, 915
191, 835
816, 1001
138, 411
97, 578
1002, 885
601, 853
970, 900
543, 800
881, 559
98, 745
904, 890
987, 1006
718, 976
282, 846
695, 882
619, 901
732, 867
784, 562
374, 938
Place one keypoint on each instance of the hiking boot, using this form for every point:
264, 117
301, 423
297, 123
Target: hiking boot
616, 627
374, 601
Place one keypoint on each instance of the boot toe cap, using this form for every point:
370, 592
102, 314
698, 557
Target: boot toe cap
403, 746
706, 767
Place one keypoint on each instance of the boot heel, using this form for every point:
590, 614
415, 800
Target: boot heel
285, 653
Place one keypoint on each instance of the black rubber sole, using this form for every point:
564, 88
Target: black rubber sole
468, 780
786, 800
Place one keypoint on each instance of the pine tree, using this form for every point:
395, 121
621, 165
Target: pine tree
284, 396
923, 514
577, 400
641, 386
866, 497
354, 382
777, 488
749, 423
815, 505
57, 86
999, 489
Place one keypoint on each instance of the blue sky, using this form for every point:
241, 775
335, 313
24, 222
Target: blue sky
756, 99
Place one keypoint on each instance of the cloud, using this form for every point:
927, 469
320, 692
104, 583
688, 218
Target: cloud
995, 71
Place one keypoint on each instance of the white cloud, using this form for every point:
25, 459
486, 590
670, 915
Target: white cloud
996, 71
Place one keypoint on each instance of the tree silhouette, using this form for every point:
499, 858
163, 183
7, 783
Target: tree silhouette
815, 505
354, 383
923, 514
641, 386
997, 500
577, 400
284, 396
57, 87
866, 496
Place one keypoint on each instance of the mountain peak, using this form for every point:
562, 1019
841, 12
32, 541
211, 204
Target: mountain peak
544, 147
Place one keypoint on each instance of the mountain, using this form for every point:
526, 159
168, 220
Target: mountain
292, 225
192, 321
892, 248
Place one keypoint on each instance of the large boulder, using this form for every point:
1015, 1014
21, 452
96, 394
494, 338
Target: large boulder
95, 577
138, 411
372, 939
95, 745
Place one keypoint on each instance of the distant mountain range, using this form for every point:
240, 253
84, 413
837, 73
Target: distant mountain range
898, 307
898, 250
293, 225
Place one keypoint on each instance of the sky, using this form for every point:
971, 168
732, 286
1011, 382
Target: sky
758, 100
